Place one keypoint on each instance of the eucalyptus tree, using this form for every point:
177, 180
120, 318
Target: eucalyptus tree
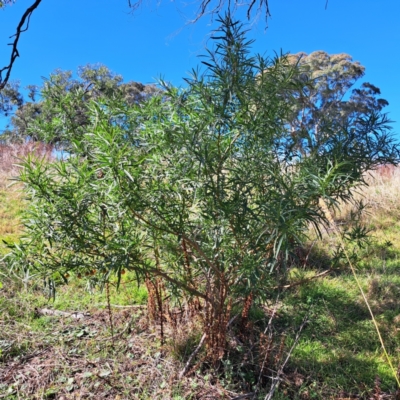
10, 98
198, 191
29, 119
330, 98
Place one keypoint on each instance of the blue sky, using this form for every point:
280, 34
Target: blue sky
158, 41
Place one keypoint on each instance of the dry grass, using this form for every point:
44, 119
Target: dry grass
381, 196
55, 357
11, 198
384, 188
11, 155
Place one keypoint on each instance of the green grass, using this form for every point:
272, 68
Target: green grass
339, 347
339, 351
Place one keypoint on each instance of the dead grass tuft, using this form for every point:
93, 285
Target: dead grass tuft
11, 155
381, 196
11, 197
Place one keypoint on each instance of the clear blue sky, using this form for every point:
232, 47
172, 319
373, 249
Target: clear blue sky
157, 41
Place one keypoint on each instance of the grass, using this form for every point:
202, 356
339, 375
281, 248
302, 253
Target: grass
11, 198
338, 355
11, 205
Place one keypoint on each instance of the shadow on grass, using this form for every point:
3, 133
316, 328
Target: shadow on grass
327, 375
339, 349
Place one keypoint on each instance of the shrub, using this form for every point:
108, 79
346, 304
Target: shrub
201, 192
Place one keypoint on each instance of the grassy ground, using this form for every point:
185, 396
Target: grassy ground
338, 355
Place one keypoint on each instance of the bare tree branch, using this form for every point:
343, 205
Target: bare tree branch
208, 7
196, 350
23, 26
277, 378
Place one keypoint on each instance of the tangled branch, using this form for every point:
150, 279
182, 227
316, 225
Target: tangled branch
23, 26
213, 7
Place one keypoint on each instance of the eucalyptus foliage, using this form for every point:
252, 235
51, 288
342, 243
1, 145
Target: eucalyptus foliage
201, 187
63, 98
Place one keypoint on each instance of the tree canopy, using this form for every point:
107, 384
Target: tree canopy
329, 98
328, 91
29, 119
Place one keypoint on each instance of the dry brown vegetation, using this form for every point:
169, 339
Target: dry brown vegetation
11, 154
382, 193
10, 194
64, 358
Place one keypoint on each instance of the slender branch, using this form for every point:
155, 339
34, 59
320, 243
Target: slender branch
23, 26
244, 396
200, 252
268, 327
120, 306
196, 350
302, 281
74, 314
207, 7
178, 283
191, 242
277, 378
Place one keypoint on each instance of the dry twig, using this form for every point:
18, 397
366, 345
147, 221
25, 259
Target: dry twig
73, 314
277, 378
196, 350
